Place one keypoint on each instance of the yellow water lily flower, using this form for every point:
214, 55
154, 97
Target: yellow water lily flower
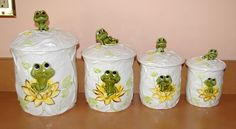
163, 96
102, 95
205, 95
45, 96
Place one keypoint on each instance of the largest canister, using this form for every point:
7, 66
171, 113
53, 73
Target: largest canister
108, 74
45, 69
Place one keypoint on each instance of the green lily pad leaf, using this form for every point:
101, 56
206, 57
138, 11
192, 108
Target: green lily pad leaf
129, 82
26, 65
28, 42
154, 74
67, 82
109, 53
93, 102
97, 70
195, 100
128, 92
65, 93
147, 99
23, 103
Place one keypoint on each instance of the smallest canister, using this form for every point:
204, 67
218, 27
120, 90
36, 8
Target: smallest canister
160, 82
205, 79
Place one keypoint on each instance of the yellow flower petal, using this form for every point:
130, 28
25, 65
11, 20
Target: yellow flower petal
49, 101
29, 98
27, 84
116, 99
39, 96
101, 89
54, 86
107, 101
100, 98
38, 102
27, 90
55, 93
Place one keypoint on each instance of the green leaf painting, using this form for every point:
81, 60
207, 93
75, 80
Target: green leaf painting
129, 82
147, 99
97, 70
28, 42
64, 93
26, 65
67, 82
23, 103
154, 74
109, 53
92, 102
195, 101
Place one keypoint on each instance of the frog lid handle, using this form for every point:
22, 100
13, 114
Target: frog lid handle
211, 55
161, 45
41, 20
103, 38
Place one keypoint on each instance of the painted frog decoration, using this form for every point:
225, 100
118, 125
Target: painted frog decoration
211, 55
164, 83
41, 73
161, 45
103, 38
210, 83
41, 19
110, 78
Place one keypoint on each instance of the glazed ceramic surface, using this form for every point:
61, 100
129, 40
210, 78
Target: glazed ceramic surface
205, 79
108, 77
160, 82
45, 71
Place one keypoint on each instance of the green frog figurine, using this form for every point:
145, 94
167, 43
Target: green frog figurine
110, 78
41, 73
164, 83
211, 55
41, 19
161, 45
210, 83
103, 38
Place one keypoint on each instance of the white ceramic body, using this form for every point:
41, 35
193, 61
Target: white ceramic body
63, 62
195, 82
94, 69
149, 75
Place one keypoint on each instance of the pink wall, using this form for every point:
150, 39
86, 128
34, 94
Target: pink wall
191, 27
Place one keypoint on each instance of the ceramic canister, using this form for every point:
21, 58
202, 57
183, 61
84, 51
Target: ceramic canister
108, 75
160, 82
45, 71
205, 78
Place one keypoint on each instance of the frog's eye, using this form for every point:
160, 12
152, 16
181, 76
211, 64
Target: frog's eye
114, 72
107, 72
46, 65
43, 12
214, 79
209, 79
167, 76
212, 50
37, 13
161, 77
36, 66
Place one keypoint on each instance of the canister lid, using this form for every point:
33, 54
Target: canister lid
166, 59
208, 62
51, 40
160, 57
43, 39
108, 52
108, 49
